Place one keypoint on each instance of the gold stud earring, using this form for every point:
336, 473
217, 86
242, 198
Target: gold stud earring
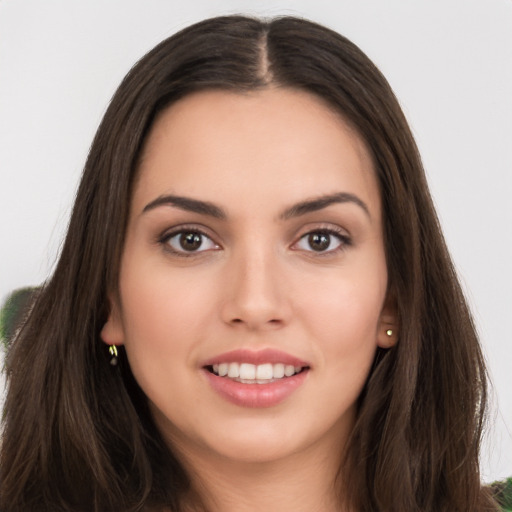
113, 352
389, 332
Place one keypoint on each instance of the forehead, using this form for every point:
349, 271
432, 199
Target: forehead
280, 143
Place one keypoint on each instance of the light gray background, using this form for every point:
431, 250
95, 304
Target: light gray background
449, 61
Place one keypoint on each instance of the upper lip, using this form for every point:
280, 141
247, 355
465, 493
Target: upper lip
268, 355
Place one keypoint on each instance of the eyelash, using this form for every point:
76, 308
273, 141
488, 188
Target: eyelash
344, 240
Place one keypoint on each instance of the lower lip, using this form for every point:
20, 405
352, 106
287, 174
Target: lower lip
256, 395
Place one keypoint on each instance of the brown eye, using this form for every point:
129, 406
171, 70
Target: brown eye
190, 241
319, 241
324, 241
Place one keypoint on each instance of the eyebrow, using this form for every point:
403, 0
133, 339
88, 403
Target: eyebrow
212, 210
188, 204
319, 203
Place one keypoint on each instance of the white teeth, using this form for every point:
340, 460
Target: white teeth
234, 370
289, 370
247, 371
278, 371
264, 371
260, 373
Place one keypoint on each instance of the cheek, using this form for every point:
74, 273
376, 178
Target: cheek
346, 306
343, 314
156, 295
164, 316
162, 332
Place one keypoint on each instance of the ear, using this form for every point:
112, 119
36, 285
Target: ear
112, 332
387, 335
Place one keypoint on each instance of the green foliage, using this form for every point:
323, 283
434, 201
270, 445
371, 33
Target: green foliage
503, 494
14, 310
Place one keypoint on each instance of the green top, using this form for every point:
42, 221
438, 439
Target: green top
18, 302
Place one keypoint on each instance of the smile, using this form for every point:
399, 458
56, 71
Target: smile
248, 373
263, 378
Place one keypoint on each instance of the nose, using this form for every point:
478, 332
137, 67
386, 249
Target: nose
256, 294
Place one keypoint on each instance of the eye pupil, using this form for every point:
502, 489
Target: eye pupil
190, 241
319, 241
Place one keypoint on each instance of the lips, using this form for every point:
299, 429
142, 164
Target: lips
262, 378
256, 357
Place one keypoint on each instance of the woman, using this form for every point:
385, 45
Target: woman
254, 307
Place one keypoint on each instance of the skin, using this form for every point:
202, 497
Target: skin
254, 283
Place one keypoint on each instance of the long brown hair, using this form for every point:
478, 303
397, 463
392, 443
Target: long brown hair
78, 434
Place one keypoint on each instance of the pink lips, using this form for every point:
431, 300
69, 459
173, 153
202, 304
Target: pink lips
256, 395
268, 355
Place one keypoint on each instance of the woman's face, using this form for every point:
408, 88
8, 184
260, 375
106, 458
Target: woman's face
254, 248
